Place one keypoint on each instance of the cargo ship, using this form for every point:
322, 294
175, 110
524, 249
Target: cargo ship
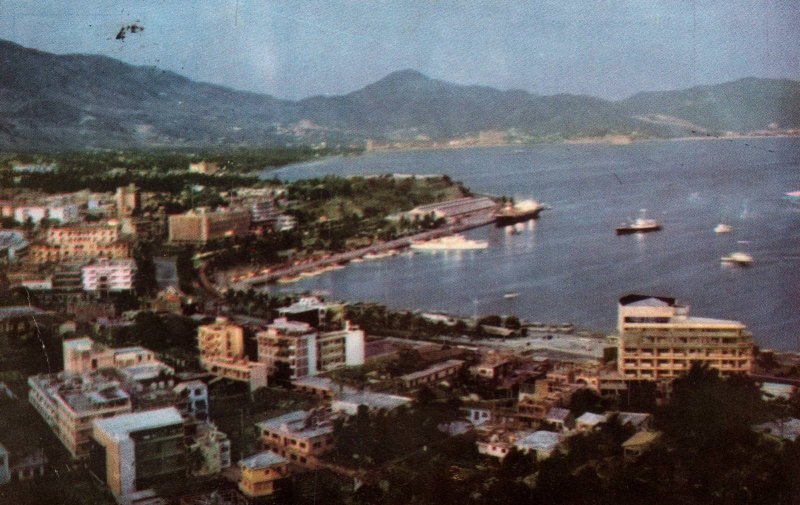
523, 211
639, 225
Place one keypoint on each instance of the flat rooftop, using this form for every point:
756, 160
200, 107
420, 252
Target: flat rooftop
122, 425
439, 367
376, 401
297, 424
263, 459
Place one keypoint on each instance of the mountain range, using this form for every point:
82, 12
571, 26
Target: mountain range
50, 101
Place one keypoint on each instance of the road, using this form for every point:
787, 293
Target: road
400, 243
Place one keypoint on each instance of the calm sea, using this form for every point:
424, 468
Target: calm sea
569, 266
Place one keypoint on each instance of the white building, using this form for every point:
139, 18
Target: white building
349, 403
105, 274
63, 213
542, 443
157, 434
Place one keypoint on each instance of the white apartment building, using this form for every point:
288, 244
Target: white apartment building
108, 275
658, 339
69, 404
289, 343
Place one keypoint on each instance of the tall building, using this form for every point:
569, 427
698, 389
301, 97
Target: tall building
108, 275
128, 199
658, 339
291, 345
136, 451
202, 225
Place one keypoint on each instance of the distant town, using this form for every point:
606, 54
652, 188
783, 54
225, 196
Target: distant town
143, 362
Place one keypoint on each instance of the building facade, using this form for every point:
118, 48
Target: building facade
222, 353
659, 340
291, 345
300, 436
260, 473
202, 225
108, 275
76, 243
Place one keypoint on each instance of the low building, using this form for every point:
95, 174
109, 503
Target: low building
60, 212
322, 387
203, 225
478, 415
84, 355
261, 472
17, 323
640, 421
192, 398
300, 436
432, 374
452, 211
137, 451
639, 443
108, 275
493, 367
349, 403
28, 466
541, 443
69, 404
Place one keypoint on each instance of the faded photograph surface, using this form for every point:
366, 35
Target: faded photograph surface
404, 253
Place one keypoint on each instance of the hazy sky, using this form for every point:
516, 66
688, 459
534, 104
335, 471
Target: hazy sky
296, 48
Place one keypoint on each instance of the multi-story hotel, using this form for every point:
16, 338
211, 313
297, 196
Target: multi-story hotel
108, 275
202, 225
299, 436
75, 243
658, 339
137, 451
70, 404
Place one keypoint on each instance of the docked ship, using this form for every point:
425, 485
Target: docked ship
639, 225
450, 243
738, 258
522, 211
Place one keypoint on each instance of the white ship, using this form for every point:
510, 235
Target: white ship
450, 243
723, 228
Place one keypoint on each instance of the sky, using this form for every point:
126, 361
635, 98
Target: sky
297, 48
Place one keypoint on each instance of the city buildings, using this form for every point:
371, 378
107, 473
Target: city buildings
288, 347
84, 355
222, 353
136, 451
108, 275
202, 225
260, 473
300, 436
69, 405
658, 339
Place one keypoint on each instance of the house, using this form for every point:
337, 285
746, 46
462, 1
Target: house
589, 421
213, 448
478, 415
260, 473
541, 443
639, 443
641, 421
561, 419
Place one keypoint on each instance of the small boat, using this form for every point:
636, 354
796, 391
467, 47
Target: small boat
639, 225
738, 258
509, 296
723, 228
793, 196
450, 242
